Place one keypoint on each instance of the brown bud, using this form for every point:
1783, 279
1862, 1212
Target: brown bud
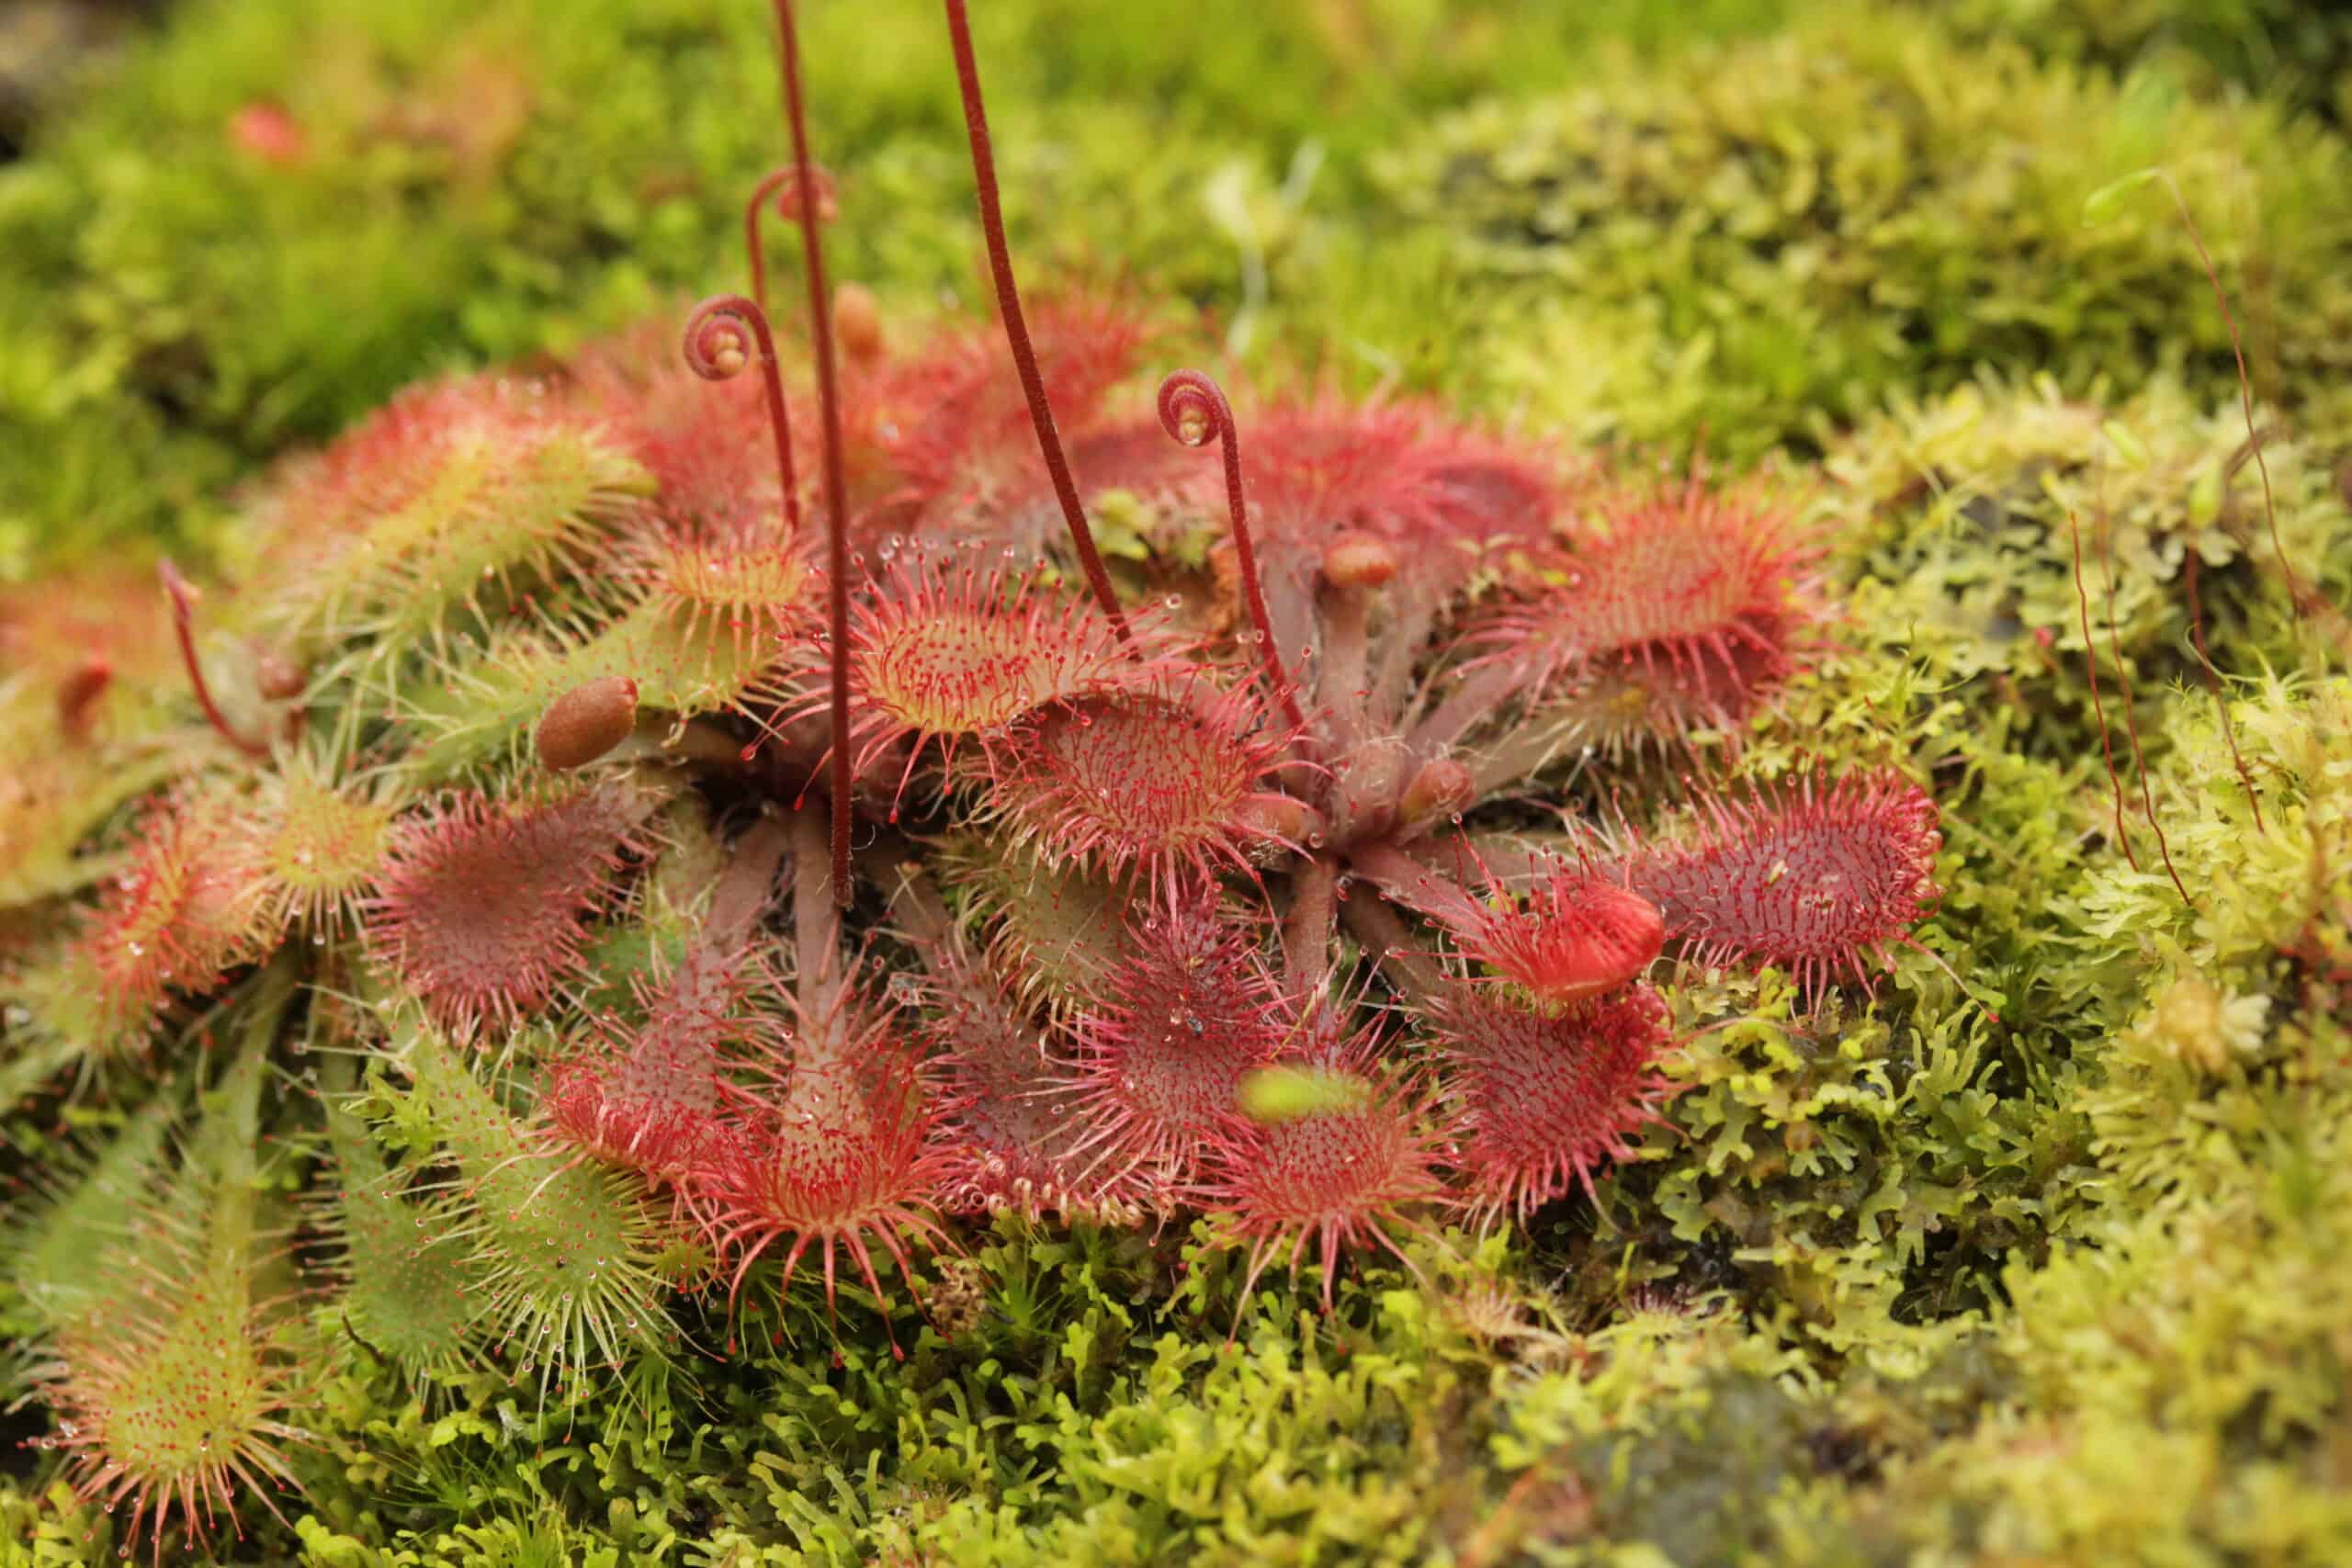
1359, 560
278, 678
586, 722
1442, 786
788, 199
1288, 821
78, 694
857, 322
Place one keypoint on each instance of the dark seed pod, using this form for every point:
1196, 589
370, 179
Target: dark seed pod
586, 722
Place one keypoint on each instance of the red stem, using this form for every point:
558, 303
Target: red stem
2246, 384
751, 245
2131, 721
2269, 503
1307, 934
183, 599
2098, 706
1016, 325
817, 930
777, 180
820, 321
1192, 408
715, 350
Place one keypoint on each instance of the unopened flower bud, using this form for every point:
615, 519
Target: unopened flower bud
586, 722
1442, 787
278, 678
1359, 560
857, 322
1285, 820
1579, 937
78, 694
788, 199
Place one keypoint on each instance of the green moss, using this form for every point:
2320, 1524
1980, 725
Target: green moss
2301, 54
1762, 240
1975, 508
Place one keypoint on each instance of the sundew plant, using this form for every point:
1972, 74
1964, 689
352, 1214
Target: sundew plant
829, 928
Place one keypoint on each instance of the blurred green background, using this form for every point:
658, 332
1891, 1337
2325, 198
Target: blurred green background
231, 226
